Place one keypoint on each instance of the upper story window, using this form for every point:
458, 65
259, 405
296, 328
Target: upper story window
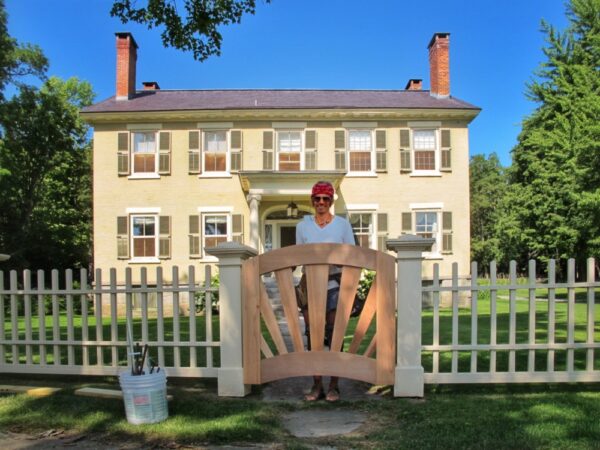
424, 150
215, 151
289, 150
144, 152
360, 150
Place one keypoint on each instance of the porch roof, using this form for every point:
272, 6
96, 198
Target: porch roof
274, 185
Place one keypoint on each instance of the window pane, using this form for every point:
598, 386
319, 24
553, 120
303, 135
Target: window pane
215, 226
424, 160
143, 162
215, 141
359, 140
426, 222
362, 228
360, 161
424, 139
289, 141
144, 142
143, 226
289, 161
215, 162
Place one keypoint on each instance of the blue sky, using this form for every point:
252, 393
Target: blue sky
495, 46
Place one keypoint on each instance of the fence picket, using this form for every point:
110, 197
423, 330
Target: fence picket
144, 301
27, 315
114, 330
176, 331
192, 308
512, 325
591, 276
570, 313
41, 317
436, 317
56, 349
493, 315
454, 316
531, 328
85, 335
551, 312
70, 323
160, 323
98, 316
2, 319
14, 316
208, 314
129, 325
474, 315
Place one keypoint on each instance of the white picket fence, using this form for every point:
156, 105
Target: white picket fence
83, 343
535, 352
541, 338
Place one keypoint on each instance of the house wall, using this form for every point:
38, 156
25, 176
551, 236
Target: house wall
180, 194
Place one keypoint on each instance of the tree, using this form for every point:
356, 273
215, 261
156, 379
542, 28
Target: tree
488, 186
198, 32
553, 203
46, 193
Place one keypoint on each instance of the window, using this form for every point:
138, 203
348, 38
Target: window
360, 150
424, 146
215, 229
215, 151
426, 225
362, 226
144, 152
289, 148
143, 236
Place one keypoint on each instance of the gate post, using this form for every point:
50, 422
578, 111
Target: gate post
231, 372
409, 381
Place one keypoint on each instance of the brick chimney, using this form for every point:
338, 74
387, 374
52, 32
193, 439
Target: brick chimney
126, 61
414, 84
439, 65
150, 85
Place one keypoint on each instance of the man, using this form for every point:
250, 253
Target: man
324, 227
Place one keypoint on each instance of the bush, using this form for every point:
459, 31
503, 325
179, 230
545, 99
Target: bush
201, 296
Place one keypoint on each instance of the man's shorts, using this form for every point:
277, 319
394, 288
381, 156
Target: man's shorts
332, 298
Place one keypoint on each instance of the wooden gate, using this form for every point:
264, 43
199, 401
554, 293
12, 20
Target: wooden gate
265, 354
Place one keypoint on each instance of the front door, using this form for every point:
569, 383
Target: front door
287, 236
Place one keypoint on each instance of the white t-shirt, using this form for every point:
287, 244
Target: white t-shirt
338, 231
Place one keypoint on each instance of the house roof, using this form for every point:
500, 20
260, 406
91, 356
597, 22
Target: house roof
248, 99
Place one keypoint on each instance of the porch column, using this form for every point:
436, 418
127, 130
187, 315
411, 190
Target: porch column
231, 373
254, 202
409, 250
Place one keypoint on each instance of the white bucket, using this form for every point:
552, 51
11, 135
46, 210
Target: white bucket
145, 397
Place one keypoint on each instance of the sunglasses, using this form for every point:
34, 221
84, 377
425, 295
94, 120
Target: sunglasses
320, 198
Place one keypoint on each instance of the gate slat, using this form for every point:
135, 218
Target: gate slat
386, 320
372, 346
270, 320
348, 287
264, 348
251, 335
365, 318
317, 276
290, 308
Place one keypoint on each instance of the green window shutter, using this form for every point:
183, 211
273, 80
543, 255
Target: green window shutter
447, 232
380, 139
310, 160
236, 151
405, 151
267, 150
340, 149
194, 236
236, 140
123, 154
194, 165
164, 153
382, 231
381, 151
122, 237
340, 139
310, 139
406, 223
446, 151
237, 228
164, 237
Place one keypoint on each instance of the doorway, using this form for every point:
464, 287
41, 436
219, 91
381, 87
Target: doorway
287, 236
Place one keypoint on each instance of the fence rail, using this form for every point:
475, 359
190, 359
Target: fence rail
540, 338
74, 327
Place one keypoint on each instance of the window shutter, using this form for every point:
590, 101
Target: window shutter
123, 154
236, 150
340, 150
446, 151
405, 151
381, 151
382, 231
310, 146
164, 153
164, 237
122, 237
194, 165
194, 236
267, 150
340, 139
237, 228
406, 223
447, 232
310, 138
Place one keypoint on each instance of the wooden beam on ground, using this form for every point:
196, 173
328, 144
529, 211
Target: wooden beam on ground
33, 391
104, 393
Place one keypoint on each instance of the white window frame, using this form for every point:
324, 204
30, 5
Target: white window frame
436, 208
214, 173
214, 211
371, 132
144, 259
370, 208
278, 150
132, 153
434, 126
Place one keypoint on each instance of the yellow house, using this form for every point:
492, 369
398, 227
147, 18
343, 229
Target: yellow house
176, 171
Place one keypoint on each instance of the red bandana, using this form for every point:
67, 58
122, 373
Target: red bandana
323, 188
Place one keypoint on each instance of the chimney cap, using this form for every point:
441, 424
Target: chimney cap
412, 83
125, 35
150, 85
435, 38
